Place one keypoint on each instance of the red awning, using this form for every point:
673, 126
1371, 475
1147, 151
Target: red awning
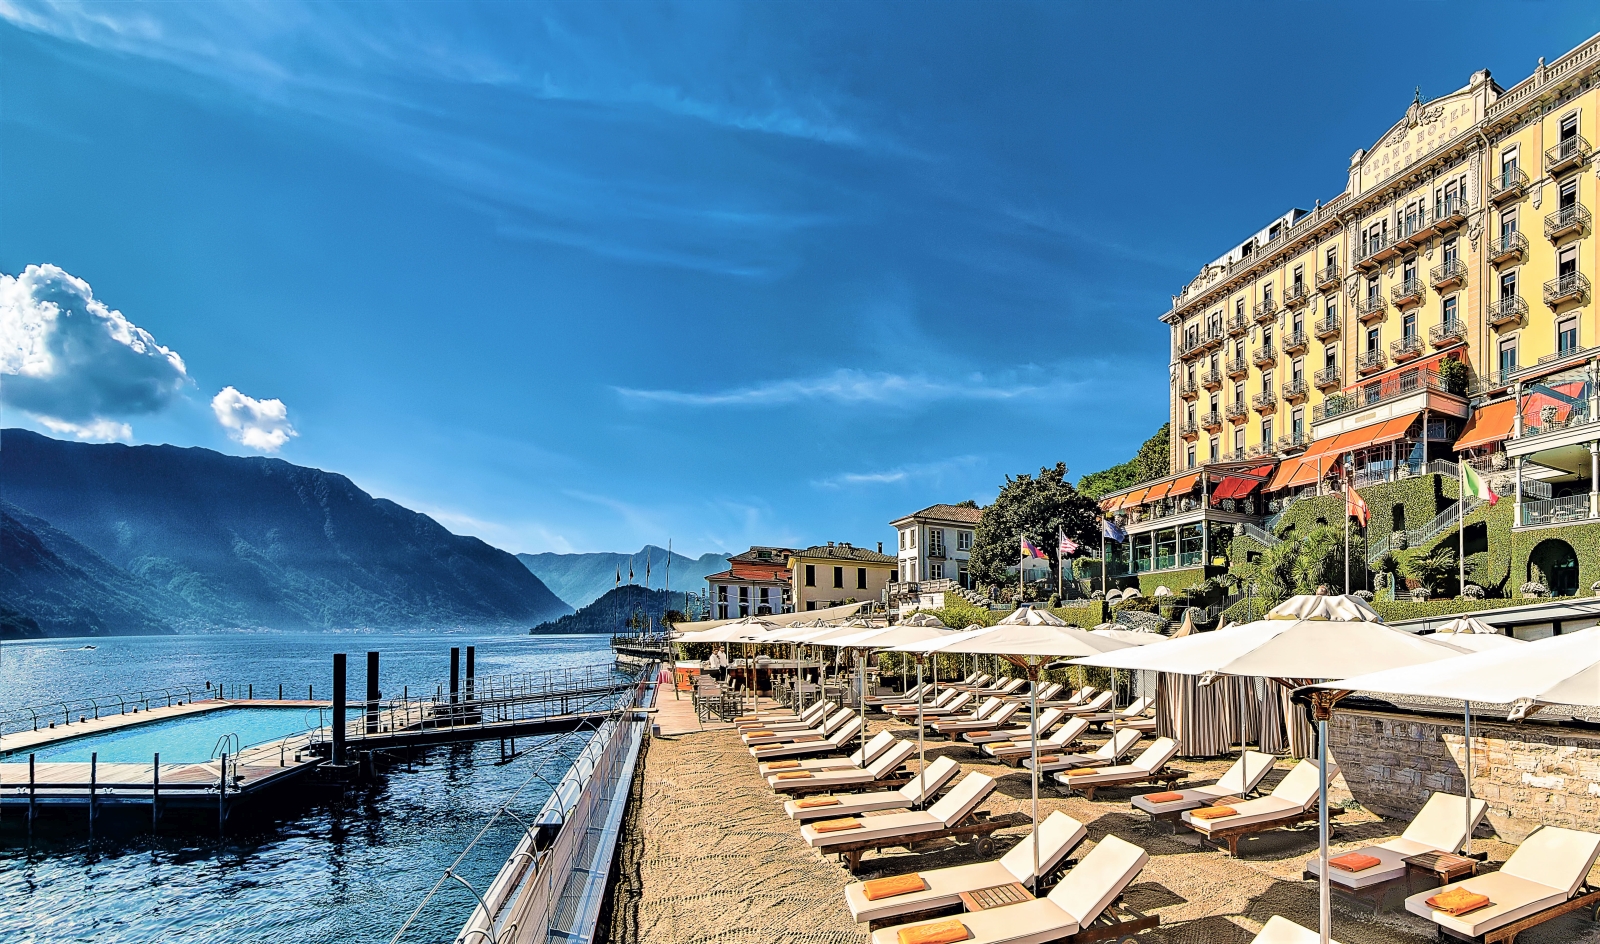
1489, 424
1559, 396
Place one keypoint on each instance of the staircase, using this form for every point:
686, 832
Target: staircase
1261, 537
1419, 537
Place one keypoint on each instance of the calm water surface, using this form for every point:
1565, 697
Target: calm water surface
342, 870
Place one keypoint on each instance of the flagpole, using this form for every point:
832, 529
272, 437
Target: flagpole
1461, 535
1347, 537
1019, 568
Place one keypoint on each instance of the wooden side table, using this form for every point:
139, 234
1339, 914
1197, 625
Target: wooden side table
996, 896
1444, 866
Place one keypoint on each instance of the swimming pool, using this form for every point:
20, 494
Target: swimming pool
187, 740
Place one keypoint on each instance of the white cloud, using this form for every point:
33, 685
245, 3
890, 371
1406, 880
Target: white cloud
855, 386
262, 425
898, 474
71, 361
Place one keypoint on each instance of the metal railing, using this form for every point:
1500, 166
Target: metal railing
1328, 276
1295, 295
1327, 377
1265, 401
1238, 323
1409, 290
1237, 367
1211, 420
1210, 379
1188, 389
1510, 182
1370, 360
1295, 341
1556, 510
1448, 274
1326, 327
1572, 287
1419, 537
1371, 306
1507, 245
1446, 333
1266, 310
1265, 355
1508, 309
1372, 246
86, 707
1568, 152
1255, 533
1403, 384
1407, 347
1237, 411
1567, 219
1295, 390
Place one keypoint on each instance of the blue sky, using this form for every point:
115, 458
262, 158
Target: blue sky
582, 276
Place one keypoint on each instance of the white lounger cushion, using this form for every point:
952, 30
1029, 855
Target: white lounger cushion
1440, 826
1151, 760
1001, 715
885, 764
955, 807
1099, 702
834, 742
940, 772
880, 742
1073, 730
1058, 835
1048, 719
1108, 753
1293, 795
1280, 930
1546, 870
1243, 777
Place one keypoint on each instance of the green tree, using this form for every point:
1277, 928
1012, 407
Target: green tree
1033, 507
1150, 462
1313, 561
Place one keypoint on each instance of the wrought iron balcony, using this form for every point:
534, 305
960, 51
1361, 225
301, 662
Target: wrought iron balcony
1265, 356
1569, 220
1188, 348
1450, 214
1328, 277
1189, 429
1368, 362
1211, 421
1188, 389
1266, 310
1448, 333
1237, 367
1569, 153
1572, 287
1448, 275
1413, 230
1328, 377
1295, 390
1507, 311
1210, 380
1405, 348
1296, 342
1213, 338
1265, 402
1326, 327
1396, 386
1408, 292
1237, 412
1238, 323
1295, 296
1508, 248
1556, 510
1259, 450
1379, 249
1509, 184
1293, 442
1371, 308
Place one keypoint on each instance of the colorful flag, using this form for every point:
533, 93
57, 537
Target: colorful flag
1356, 508
1110, 529
619, 577
1029, 550
1065, 545
1473, 484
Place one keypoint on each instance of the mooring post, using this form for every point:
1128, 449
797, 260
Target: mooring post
94, 769
32, 786
280, 691
472, 669
455, 674
155, 791
222, 794
372, 692
338, 709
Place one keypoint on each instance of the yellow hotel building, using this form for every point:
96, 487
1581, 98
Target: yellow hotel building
1315, 351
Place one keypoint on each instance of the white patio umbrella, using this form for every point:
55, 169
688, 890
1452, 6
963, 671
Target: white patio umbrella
1030, 615
1133, 637
1027, 646
744, 631
1468, 624
1328, 637
1557, 670
1472, 633
884, 638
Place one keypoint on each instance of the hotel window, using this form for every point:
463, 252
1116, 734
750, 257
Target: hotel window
1238, 442
1238, 307
1508, 284
1372, 340
838, 578
1567, 262
1372, 291
1214, 324
766, 600
1266, 294
1191, 458
1266, 432
1299, 279
1189, 418
1447, 311
1215, 365
1266, 338
1238, 394
1216, 448
1330, 356
1452, 197
1508, 166
1569, 193
935, 572
1297, 370
861, 578
963, 540
1214, 403
902, 540
1191, 336
1408, 270
1567, 335
1188, 376
1238, 350
1508, 222
744, 601
1297, 423
1508, 357
1266, 381
1299, 326
811, 575
1569, 127
1333, 256
1450, 250
1333, 311
913, 533
1408, 326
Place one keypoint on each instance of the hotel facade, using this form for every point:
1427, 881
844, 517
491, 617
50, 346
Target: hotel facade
1438, 309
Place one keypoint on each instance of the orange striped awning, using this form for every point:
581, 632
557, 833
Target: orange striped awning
1158, 491
1185, 484
1489, 424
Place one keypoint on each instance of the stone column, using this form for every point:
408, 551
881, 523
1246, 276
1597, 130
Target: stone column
1594, 479
1516, 509
1517, 420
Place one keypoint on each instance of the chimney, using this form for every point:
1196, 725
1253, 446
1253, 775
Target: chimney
880, 547
830, 545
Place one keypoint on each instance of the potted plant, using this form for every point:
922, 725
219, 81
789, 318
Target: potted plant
1534, 589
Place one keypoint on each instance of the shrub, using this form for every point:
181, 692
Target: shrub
1473, 592
1534, 588
1453, 376
1364, 594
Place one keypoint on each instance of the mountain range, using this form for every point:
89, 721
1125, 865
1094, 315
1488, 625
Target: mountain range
581, 579
614, 609
107, 538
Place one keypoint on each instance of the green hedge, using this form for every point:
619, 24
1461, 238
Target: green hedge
1173, 580
1421, 498
1395, 611
1584, 539
1303, 514
1086, 615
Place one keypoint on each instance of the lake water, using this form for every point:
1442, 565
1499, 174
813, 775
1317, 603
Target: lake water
348, 869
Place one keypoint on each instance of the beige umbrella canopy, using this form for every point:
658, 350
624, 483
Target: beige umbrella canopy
1133, 637
1163, 591
924, 619
1031, 616
1468, 624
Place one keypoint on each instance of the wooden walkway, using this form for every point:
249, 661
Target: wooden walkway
23, 740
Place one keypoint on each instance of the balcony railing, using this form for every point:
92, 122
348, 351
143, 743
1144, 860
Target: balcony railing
1404, 384
1371, 308
1376, 250
1265, 402
1265, 356
1448, 275
1295, 342
1214, 337
1408, 292
1450, 213
1326, 327
1567, 154
1188, 389
1295, 391
1328, 277
1328, 377
1189, 429
1238, 367
1210, 379
1293, 442
1509, 310
1212, 420
1260, 449
1507, 248
1448, 333
1572, 287
1405, 348
1266, 310
1295, 295
1568, 220
1509, 184
1238, 323
1556, 510
1369, 361
1237, 412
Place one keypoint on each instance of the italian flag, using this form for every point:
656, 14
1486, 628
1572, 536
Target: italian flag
1473, 484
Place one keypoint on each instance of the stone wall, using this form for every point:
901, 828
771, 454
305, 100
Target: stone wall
1531, 774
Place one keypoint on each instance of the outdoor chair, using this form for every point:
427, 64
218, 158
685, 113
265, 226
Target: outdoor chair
778, 734
1240, 781
1073, 701
1280, 930
1047, 721
1440, 826
1292, 802
1149, 767
1013, 752
1094, 705
946, 698
973, 683
1108, 753
876, 901
954, 816
985, 708
810, 715
913, 794
909, 697
1544, 879
1075, 910
883, 768
1133, 712
880, 742
810, 744
1049, 691
1000, 715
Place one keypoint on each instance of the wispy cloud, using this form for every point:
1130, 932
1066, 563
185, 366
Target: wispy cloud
899, 474
855, 386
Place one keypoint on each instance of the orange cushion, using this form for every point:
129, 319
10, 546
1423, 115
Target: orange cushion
758, 734
890, 887
939, 932
1049, 758
1214, 812
1458, 901
807, 738
783, 764
835, 825
769, 747
1354, 862
1082, 770
1163, 797
814, 802
794, 775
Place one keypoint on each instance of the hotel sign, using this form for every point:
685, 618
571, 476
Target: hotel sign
1425, 128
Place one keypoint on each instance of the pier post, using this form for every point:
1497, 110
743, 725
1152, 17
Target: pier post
155, 791
32, 787
338, 709
280, 691
455, 674
94, 769
372, 693
222, 794
472, 669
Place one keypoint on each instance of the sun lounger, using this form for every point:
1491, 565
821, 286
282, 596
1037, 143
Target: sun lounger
812, 713
1280, 930
880, 742
1441, 826
1046, 693
1241, 780
1001, 715
1293, 801
780, 735
1107, 754
915, 792
1005, 688
1075, 910
1074, 700
1131, 713
821, 781
973, 684
1545, 878
1012, 752
1047, 720
1093, 705
839, 740
955, 815
954, 706
909, 697
946, 698
1149, 767
1059, 834
985, 708
811, 720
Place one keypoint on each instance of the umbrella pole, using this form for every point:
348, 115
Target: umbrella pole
1324, 902
1241, 718
1468, 738
1033, 696
922, 761
861, 699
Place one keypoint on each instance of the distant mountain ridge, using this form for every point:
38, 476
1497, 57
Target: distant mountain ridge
614, 609
212, 541
581, 579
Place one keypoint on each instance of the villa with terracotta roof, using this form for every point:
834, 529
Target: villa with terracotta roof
936, 543
756, 583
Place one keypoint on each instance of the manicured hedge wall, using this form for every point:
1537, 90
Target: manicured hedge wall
1393, 611
1302, 515
1490, 569
1422, 497
1087, 615
1173, 580
1585, 541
